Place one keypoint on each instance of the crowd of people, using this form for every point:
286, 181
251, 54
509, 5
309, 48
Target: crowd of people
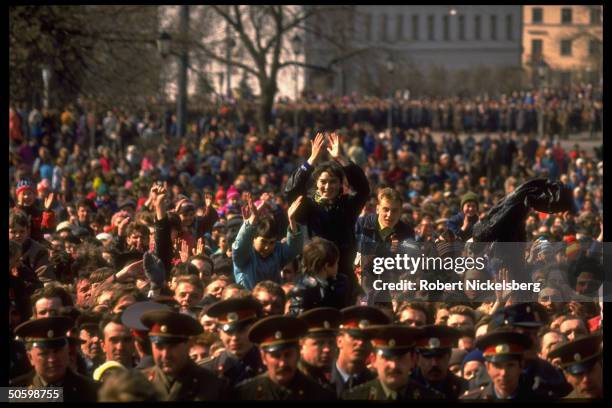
230, 264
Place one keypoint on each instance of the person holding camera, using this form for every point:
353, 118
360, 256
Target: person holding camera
462, 223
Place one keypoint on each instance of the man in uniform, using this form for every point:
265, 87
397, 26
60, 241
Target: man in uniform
47, 350
175, 375
350, 368
395, 358
582, 365
318, 346
503, 351
434, 347
131, 319
241, 359
527, 318
278, 340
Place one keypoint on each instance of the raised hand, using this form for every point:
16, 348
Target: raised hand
316, 146
292, 210
199, 249
334, 145
184, 251
250, 212
49, 201
121, 226
208, 200
502, 295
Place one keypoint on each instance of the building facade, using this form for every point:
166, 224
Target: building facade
563, 44
449, 37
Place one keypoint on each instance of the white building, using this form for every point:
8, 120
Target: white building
449, 36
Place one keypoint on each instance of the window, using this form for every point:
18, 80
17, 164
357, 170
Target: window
594, 48
566, 16
477, 27
431, 28
493, 27
446, 28
399, 27
383, 27
509, 30
415, 27
367, 23
462, 28
537, 15
536, 49
566, 48
595, 15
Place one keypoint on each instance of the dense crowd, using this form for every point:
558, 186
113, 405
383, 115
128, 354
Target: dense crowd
233, 264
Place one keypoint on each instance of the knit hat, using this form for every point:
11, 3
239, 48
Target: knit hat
23, 185
469, 196
474, 355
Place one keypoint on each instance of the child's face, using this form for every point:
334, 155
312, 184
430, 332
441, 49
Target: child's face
264, 246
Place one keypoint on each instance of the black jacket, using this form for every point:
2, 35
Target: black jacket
334, 222
310, 293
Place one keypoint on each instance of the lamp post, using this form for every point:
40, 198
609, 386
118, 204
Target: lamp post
163, 47
296, 44
230, 43
390, 65
46, 76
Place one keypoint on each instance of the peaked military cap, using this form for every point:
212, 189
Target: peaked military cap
321, 321
393, 339
436, 340
355, 319
46, 332
529, 315
503, 345
579, 355
166, 326
132, 314
277, 332
235, 313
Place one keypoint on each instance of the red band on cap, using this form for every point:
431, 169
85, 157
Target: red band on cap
238, 316
503, 349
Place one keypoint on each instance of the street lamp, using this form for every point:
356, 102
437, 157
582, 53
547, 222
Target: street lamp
296, 45
163, 44
390, 65
230, 43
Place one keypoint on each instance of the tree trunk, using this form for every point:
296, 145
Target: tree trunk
264, 110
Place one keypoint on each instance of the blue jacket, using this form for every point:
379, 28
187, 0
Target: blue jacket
250, 268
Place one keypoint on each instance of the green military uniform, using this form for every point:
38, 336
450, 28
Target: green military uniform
275, 334
392, 341
50, 333
192, 383
323, 324
579, 357
438, 341
501, 346
300, 388
236, 314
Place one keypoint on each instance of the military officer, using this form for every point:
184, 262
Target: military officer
434, 347
318, 346
582, 365
395, 356
47, 350
503, 351
278, 340
354, 348
131, 319
175, 376
241, 359
527, 318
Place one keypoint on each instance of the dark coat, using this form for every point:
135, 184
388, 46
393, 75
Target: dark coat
452, 386
236, 370
486, 392
373, 391
77, 388
334, 222
341, 386
309, 293
194, 383
300, 388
